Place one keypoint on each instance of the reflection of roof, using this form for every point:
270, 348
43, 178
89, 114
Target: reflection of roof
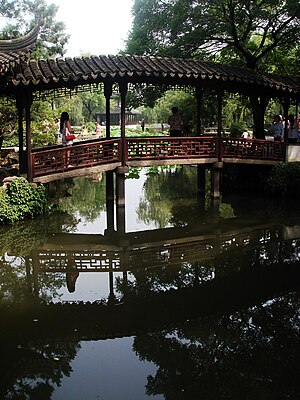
14, 51
70, 72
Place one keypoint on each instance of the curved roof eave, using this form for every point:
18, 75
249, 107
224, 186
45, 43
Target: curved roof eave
42, 75
16, 51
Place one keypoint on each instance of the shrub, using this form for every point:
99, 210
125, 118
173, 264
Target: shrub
20, 200
236, 130
285, 179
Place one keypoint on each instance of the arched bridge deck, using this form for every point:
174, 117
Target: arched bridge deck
159, 150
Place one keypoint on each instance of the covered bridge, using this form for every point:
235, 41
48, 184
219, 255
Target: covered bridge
41, 79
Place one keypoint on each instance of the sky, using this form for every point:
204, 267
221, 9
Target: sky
98, 27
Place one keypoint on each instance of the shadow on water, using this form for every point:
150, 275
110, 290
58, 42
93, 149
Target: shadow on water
203, 295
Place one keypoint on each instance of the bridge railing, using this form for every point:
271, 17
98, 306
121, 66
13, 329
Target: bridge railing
252, 149
170, 148
79, 155
104, 151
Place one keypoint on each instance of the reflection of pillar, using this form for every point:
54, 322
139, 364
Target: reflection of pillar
121, 219
111, 296
201, 205
216, 179
28, 275
125, 283
35, 261
110, 201
214, 210
201, 178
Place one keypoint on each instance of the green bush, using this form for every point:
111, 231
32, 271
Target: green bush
237, 129
285, 179
21, 200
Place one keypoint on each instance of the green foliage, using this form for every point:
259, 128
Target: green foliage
86, 197
21, 200
236, 130
285, 179
185, 102
91, 102
24, 15
239, 31
8, 120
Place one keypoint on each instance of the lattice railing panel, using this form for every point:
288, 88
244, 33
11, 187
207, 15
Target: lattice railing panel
79, 155
252, 149
159, 148
83, 261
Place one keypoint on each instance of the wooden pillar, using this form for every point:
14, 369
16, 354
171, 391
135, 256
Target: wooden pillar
20, 108
220, 94
216, 180
28, 136
201, 178
123, 92
220, 125
107, 94
199, 98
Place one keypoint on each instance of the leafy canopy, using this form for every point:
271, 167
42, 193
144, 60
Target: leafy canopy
22, 15
245, 31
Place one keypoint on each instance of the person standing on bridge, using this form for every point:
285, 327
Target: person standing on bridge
65, 129
292, 129
277, 128
67, 134
175, 123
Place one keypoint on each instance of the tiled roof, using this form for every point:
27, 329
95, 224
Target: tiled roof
15, 51
70, 72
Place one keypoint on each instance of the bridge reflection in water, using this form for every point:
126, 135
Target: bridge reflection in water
215, 305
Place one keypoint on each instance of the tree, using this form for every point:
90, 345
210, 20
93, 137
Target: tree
243, 30
257, 34
91, 102
23, 15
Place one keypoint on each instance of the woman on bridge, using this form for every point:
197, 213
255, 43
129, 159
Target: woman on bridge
67, 134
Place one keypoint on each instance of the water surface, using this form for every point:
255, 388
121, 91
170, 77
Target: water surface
173, 296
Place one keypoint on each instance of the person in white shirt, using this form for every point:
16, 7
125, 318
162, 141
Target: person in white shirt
276, 128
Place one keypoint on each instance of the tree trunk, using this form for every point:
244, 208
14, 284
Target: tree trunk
258, 110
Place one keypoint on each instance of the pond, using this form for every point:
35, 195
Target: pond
171, 296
